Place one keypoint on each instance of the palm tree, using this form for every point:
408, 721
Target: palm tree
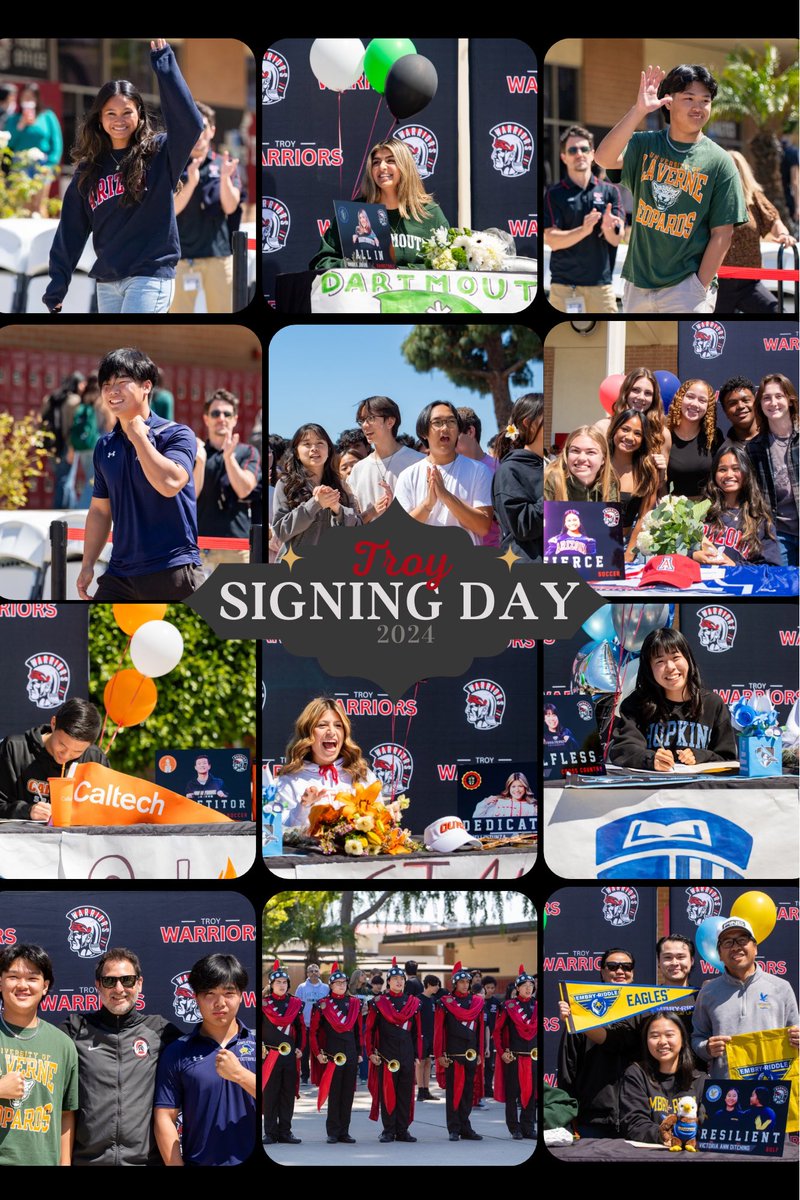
754, 86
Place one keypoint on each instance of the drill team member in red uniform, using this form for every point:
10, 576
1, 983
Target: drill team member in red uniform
458, 1048
280, 1074
515, 1041
335, 1031
394, 1034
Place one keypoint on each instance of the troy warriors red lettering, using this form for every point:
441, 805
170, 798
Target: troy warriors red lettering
782, 343
525, 228
28, 610
304, 156
523, 84
195, 933
365, 706
107, 187
565, 963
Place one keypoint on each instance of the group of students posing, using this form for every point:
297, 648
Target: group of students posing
638, 454
393, 1041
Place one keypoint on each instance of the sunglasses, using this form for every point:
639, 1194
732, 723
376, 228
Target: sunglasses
221, 412
578, 149
619, 966
110, 981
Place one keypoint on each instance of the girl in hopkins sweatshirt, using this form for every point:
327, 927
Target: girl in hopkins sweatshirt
670, 717
122, 194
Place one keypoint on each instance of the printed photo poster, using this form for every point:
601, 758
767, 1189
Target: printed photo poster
586, 536
498, 799
740, 1118
364, 234
219, 779
570, 741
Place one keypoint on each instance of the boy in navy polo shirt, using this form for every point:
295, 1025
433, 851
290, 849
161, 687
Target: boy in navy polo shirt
143, 485
209, 1075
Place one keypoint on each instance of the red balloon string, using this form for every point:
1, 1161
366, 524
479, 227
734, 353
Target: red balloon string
341, 156
408, 726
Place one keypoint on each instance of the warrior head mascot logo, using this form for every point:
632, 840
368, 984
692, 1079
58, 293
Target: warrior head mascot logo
717, 628
48, 680
512, 149
275, 223
393, 765
486, 702
708, 339
702, 902
183, 999
89, 931
620, 905
274, 77
423, 145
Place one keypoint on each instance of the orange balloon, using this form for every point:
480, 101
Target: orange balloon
130, 616
129, 697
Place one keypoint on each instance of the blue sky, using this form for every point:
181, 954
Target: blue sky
320, 373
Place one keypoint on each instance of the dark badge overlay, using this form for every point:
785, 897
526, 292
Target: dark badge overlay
395, 601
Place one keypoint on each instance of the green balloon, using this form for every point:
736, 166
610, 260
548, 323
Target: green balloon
382, 54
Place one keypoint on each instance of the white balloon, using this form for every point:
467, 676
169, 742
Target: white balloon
337, 62
156, 648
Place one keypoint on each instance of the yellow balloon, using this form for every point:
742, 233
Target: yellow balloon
130, 616
759, 909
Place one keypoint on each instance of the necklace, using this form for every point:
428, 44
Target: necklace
19, 1036
384, 472
677, 149
117, 161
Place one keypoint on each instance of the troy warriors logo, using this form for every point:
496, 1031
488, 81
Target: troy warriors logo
717, 628
620, 905
274, 77
512, 149
702, 902
275, 223
141, 1048
423, 145
585, 710
89, 931
486, 702
239, 762
611, 517
48, 680
393, 765
183, 1000
708, 339
780, 1095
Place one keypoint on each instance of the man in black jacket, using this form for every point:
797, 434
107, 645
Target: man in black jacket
118, 1049
28, 760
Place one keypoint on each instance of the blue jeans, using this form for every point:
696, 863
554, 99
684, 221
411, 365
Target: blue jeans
788, 543
136, 294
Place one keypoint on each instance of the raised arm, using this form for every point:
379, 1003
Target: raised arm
181, 116
610, 152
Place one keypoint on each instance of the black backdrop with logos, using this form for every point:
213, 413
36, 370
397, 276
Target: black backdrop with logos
581, 925
305, 167
169, 931
45, 661
419, 744
715, 349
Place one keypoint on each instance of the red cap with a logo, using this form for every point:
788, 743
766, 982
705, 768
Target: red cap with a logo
674, 570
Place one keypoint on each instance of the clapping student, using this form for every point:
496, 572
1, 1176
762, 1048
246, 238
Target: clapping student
517, 487
122, 194
738, 527
309, 496
670, 717
583, 470
372, 480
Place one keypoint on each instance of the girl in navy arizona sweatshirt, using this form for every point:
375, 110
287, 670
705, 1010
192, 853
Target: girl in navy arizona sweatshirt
122, 191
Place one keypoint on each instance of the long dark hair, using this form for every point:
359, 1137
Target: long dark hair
644, 470
685, 1069
756, 514
654, 414
526, 415
294, 478
651, 697
93, 145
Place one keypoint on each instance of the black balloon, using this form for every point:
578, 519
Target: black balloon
410, 85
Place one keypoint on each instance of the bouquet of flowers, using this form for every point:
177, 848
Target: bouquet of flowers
674, 526
463, 250
360, 822
751, 722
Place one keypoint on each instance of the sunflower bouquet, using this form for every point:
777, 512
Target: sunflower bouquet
360, 823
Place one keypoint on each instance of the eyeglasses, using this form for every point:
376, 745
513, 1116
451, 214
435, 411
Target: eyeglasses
369, 419
444, 423
221, 412
620, 966
110, 981
578, 149
739, 943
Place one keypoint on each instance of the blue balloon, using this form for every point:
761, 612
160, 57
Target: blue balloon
668, 385
600, 626
706, 941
